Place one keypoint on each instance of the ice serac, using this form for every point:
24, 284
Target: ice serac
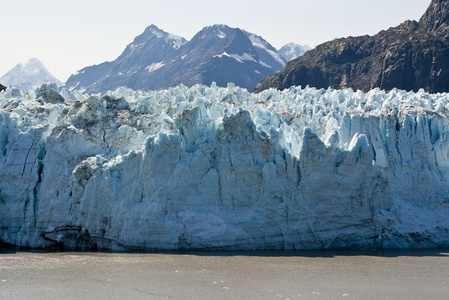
220, 168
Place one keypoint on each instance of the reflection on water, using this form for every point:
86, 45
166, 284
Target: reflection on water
370, 274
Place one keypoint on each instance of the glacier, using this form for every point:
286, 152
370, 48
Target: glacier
208, 167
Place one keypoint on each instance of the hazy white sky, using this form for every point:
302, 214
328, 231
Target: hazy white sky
69, 35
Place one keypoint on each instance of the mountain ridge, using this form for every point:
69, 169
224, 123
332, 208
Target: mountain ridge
410, 56
158, 60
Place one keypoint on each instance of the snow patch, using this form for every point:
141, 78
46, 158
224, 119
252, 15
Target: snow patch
176, 40
264, 64
154, 66
157, 32
259, 42
239, 58
276, 56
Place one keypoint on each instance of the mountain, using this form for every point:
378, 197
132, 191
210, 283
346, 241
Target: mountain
410, 56
291, 51
157, 60
28, 76
144, 55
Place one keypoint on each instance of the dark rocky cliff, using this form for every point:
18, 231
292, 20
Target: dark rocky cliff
410, 56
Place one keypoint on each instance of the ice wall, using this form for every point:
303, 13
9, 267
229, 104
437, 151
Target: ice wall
221, 168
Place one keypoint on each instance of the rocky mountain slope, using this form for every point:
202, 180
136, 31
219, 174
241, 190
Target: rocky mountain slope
222, 168
28, 76
410, 56
157, 60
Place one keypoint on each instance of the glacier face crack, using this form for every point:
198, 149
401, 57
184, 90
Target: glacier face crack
221, 168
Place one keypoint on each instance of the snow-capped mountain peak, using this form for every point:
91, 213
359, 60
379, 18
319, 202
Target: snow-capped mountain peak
217, 30
221, 30
32, 66
153, 32
153, 29
28, 75
291, 51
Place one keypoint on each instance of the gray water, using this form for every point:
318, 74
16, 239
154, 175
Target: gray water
411, 274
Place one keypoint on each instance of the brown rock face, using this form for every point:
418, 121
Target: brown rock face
410, 56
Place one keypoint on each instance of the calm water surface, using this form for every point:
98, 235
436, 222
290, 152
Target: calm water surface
393, 274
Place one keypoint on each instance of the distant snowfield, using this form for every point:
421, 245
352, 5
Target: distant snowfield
221, 168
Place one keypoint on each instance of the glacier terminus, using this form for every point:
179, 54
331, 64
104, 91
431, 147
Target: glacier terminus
212, 167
